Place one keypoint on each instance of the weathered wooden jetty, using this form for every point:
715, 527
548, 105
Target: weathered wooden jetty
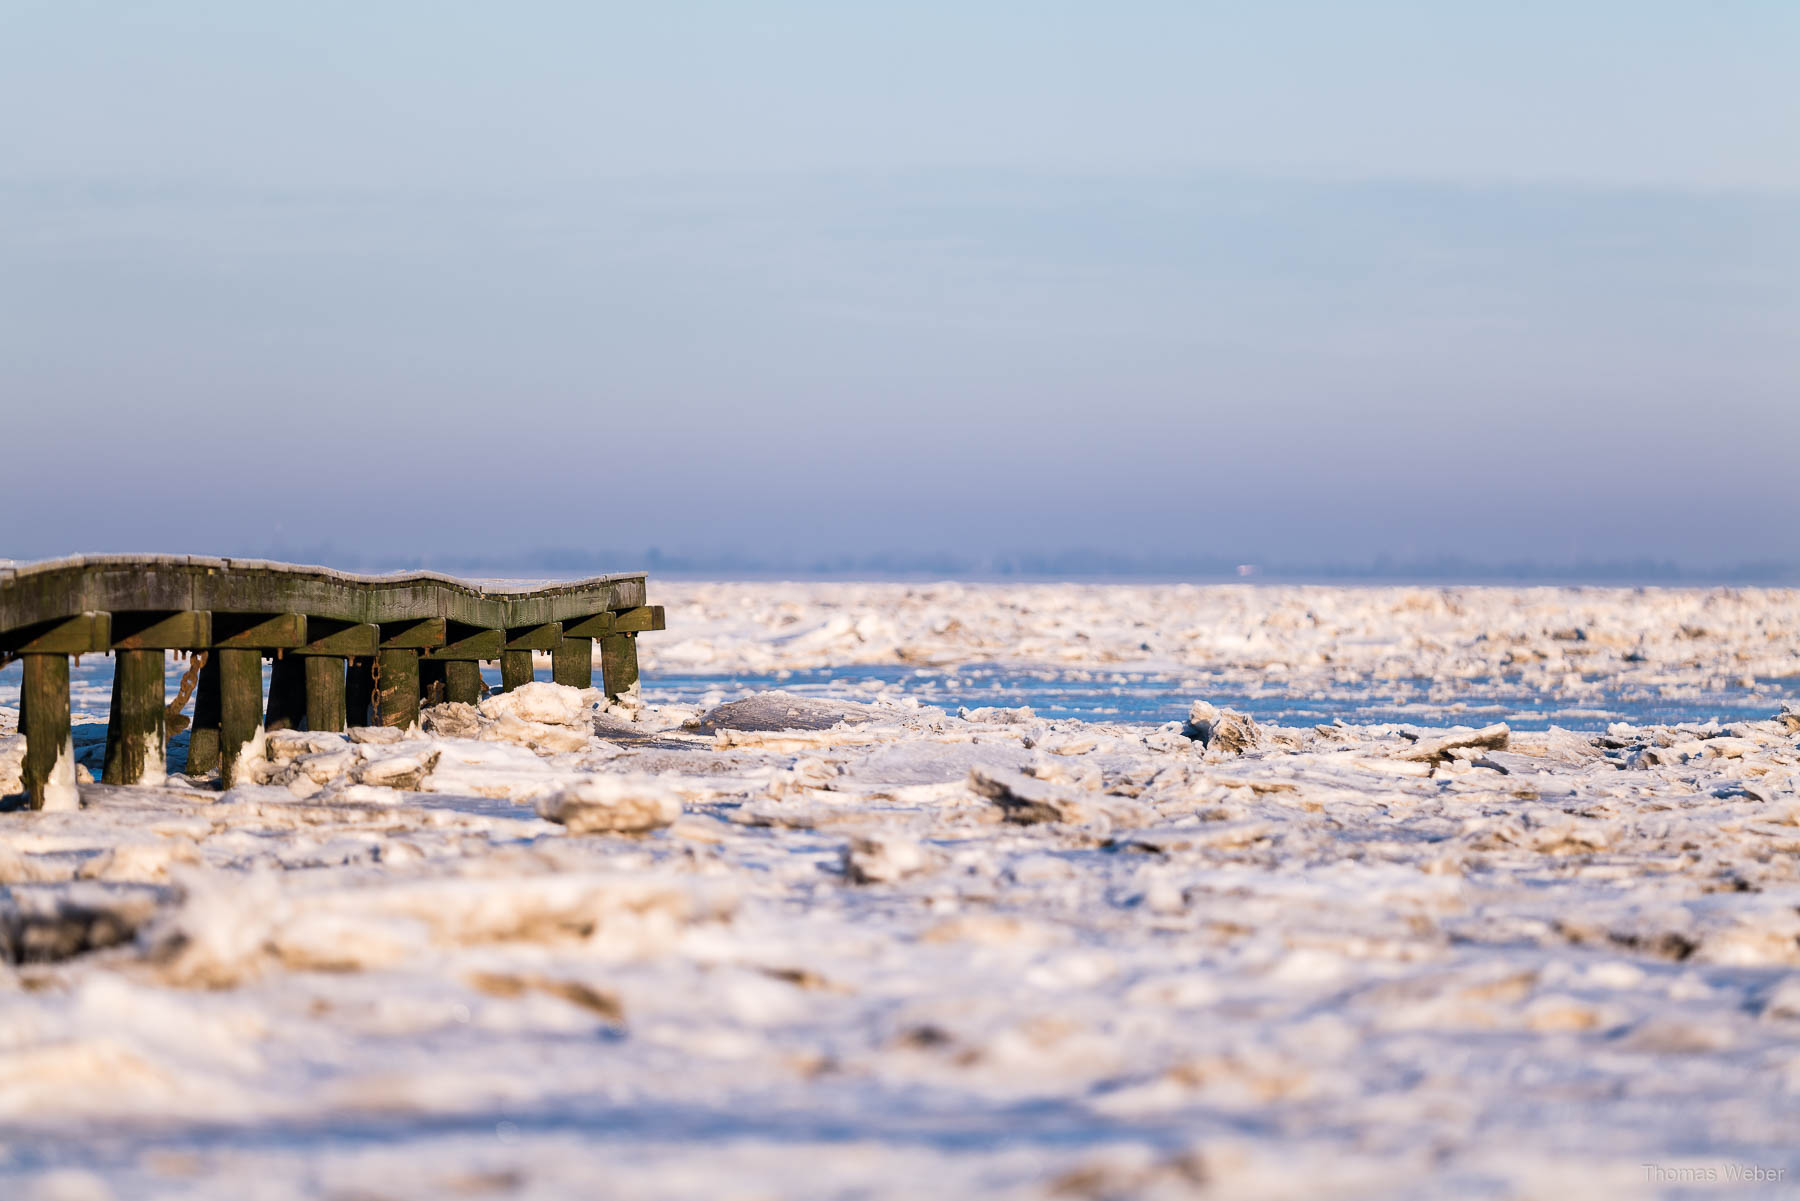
346, 650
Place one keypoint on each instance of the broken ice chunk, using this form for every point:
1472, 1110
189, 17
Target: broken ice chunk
1223, 730
883, 858
1431, 750
618, 804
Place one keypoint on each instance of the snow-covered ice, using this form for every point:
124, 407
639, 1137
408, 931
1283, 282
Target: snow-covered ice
857, 945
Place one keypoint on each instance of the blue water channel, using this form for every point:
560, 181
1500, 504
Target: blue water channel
1148, 698
1142, 698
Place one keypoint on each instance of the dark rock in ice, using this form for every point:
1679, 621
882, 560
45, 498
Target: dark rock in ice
50, 923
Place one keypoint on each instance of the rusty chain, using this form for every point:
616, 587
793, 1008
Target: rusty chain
196, 660
375, 693
171, 713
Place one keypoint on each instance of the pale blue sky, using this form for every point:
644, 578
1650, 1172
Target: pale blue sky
1282, 281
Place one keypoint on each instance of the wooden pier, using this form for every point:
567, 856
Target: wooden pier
347, 650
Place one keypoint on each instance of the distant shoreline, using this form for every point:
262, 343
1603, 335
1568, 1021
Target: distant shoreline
1071, 569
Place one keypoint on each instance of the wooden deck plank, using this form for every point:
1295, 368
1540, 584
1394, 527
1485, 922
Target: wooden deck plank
186, 629
475, 646
413, 635
546, 637
82, 634
639, 620
340, 639
57, 589
262, 631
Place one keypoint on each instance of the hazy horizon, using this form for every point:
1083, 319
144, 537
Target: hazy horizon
1077, 565
1293, 285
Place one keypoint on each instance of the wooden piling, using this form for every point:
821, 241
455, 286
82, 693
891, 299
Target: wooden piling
136, 739
515, 669
572, 662
462, 681
397, 691
203, 735
49, 751
359, 700
240, 709
325, 709
287, 693
619, 663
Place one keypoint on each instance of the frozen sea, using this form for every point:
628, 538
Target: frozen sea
1148, 697
1498, 897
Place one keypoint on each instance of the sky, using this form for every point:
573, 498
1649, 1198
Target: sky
1277, 283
